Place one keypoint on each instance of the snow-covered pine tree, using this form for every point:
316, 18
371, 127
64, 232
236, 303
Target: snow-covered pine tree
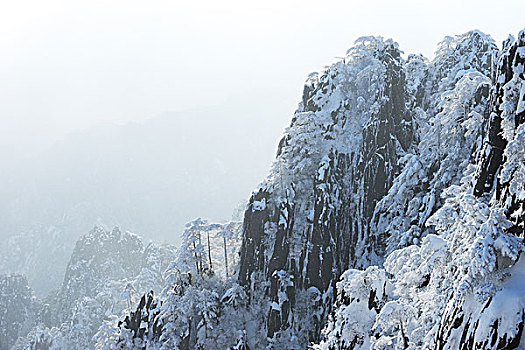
201, 305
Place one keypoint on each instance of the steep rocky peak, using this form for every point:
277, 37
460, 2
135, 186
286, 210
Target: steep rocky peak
308, 222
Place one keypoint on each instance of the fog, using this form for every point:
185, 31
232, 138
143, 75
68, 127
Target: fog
176, 164
149, 114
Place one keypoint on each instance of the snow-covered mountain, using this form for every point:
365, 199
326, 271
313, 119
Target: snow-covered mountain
107, 273
391, 218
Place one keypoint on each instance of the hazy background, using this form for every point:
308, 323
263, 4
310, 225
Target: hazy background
147, 114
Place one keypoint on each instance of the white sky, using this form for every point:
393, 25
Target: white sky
69, 65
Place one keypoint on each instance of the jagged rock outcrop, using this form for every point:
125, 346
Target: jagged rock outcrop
99, 257
106, 274
309, 221
145, 314
372, 195
507, 113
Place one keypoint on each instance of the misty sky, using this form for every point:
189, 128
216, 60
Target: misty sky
70, 65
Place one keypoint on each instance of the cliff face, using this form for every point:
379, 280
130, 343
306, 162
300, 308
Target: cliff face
451, 94
374, 143
503, 147
309, 221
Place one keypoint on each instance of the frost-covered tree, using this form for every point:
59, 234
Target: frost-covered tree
447, 141
18, 309
201, 306
361, 295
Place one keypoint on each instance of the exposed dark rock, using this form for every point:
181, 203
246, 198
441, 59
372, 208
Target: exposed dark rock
145, 314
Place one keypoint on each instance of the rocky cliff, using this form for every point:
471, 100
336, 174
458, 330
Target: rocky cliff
359, 171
